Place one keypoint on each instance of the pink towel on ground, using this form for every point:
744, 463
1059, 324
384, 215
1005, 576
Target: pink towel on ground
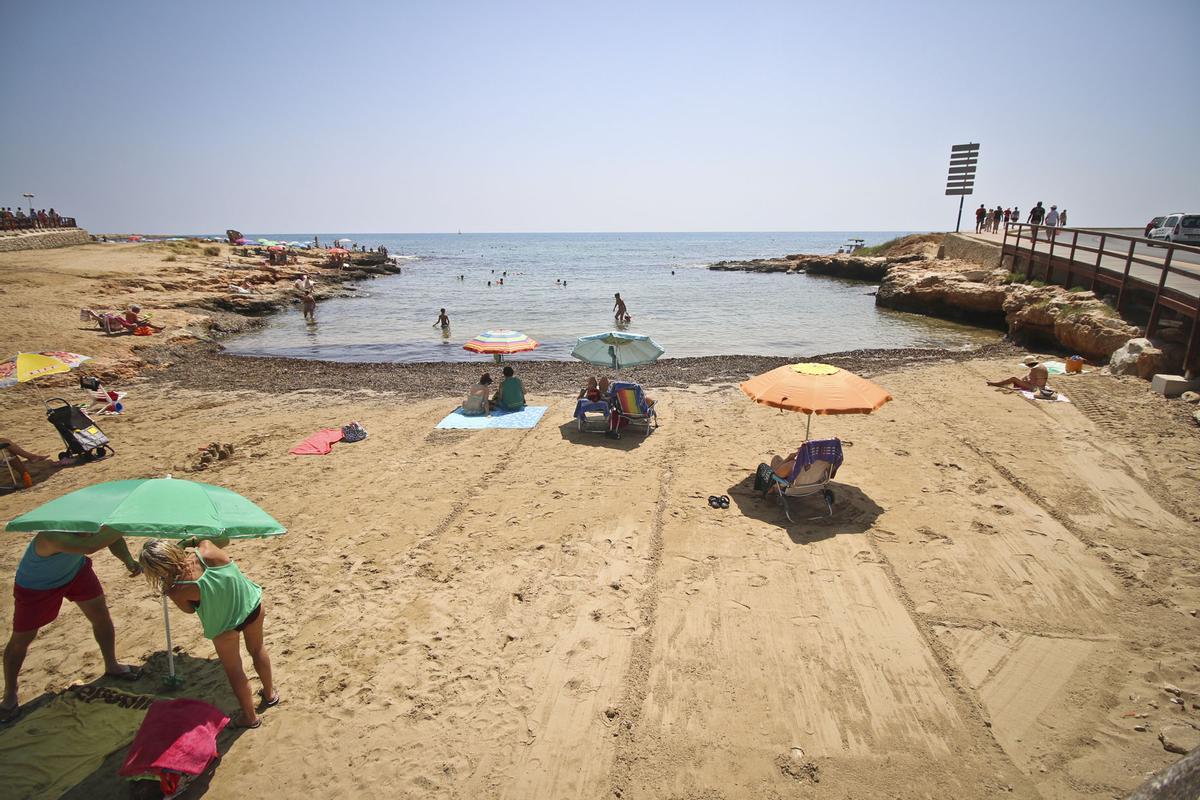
176, 735
319, 444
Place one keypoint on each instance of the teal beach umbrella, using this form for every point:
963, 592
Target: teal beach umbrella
163, 508
617, 349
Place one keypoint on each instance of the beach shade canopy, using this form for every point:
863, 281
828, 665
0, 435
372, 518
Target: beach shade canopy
27, 366
276, 247
337, 251
812, 388
339, 241
160, 507
501, 343
617, 349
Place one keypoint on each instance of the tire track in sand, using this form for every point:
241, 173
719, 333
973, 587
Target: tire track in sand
637, 674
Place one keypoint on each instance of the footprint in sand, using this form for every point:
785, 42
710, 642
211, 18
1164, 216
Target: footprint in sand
757, 580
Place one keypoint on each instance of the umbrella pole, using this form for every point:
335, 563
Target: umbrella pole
808, 428
170, 679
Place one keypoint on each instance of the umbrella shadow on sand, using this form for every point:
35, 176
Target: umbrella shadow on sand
205, 681
853, 511
630, 440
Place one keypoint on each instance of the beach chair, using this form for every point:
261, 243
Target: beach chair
629, 407
598, 422
816, 463
104, 401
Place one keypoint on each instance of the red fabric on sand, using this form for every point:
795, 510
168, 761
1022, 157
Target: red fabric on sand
319, 444
178, 735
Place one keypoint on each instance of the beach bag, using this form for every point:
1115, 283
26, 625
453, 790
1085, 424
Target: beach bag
353, 432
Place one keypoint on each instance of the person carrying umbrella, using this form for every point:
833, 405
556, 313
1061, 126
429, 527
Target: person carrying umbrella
207, 582
55, 567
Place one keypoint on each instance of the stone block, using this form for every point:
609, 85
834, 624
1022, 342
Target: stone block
1172, 385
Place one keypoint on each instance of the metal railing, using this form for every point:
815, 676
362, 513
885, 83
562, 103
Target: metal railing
27, 224
1164, 273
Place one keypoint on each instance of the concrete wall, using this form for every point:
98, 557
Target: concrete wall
44, 240
965, 248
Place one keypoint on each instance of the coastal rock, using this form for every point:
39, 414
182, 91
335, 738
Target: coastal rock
1136, 357
945, 288
1180, 739
1077, 321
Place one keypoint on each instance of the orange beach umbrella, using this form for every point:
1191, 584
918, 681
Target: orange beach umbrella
812, 388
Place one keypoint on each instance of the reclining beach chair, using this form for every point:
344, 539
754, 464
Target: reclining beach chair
629, 407
599, 422
104, 401
816, 463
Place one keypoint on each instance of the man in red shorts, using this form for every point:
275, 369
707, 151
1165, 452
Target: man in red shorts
56, 567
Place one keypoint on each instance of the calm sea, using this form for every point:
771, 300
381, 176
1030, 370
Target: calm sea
688, 309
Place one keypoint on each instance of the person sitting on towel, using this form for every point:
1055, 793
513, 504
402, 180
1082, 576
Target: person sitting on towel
1034, 381
511, 394
207, 583
477, 403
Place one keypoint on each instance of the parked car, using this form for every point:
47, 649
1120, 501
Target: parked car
1152, 224
1178, 229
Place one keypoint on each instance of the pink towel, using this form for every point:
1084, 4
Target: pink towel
319, 444
176, 736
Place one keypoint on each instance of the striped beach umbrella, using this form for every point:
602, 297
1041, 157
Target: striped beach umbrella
27, 366
501, 343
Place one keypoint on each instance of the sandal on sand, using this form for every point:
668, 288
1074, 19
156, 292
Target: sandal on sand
714, 501
265, 704
8, 715
131, 674
724, 501
238, 723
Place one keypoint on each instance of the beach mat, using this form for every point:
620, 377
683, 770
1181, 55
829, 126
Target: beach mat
1059, 397
54, 747
497, 419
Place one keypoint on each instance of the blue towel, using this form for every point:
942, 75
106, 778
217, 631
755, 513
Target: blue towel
819, 450
499, 418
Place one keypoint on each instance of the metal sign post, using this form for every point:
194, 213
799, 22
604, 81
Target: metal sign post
960, 180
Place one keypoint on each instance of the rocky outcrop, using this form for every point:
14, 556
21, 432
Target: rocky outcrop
859, 268
949, 289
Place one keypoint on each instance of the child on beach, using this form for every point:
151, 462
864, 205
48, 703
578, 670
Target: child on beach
309, 304
207, 583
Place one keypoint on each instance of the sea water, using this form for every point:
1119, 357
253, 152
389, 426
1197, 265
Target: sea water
560, 286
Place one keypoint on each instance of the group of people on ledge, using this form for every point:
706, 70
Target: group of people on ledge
11, 220
509, 396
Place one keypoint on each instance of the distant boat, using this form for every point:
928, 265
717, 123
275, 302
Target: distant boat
851, 245
460, 233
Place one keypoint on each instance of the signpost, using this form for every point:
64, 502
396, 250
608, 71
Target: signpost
960, 180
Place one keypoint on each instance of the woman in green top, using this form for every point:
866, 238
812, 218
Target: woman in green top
207, 583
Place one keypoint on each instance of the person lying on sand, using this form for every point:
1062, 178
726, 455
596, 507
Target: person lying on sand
477, 403
1036, 379
207, 583
15, 455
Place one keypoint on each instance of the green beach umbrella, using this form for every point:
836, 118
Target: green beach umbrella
617, 349
163, 508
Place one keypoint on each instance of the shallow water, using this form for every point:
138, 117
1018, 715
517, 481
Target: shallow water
693, 312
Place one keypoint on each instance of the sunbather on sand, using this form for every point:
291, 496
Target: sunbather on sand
1036, 379
591, 391
17, 457
477, 403
207, 583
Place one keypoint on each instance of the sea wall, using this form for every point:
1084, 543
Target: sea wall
44, 240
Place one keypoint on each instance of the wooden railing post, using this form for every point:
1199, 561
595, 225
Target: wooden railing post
1050, 256
1162, 281
1099, 255
1125, 279
1071, 258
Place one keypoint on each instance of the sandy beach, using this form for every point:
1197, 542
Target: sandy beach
997, 604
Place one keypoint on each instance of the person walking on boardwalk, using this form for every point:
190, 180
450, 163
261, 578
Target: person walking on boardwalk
1036, 215
980, 216
56, 567
1052, 220
1062, 218
619, 312
996, 215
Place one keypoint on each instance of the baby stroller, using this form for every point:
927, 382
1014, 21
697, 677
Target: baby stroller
79, 433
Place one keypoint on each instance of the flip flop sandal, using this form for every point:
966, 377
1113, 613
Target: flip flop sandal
265, 704
132, 674
238, 725
714, 501
724, 501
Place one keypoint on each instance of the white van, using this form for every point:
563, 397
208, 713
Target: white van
1178, 228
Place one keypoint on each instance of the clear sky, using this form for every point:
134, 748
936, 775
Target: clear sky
614, 116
